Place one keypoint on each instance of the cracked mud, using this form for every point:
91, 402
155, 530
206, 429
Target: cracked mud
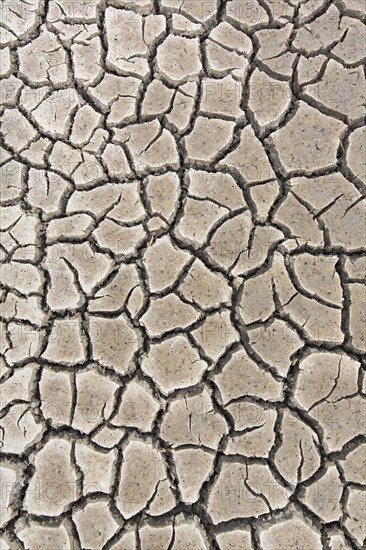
183, 275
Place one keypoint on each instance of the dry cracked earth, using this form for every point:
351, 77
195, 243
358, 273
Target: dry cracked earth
183, 275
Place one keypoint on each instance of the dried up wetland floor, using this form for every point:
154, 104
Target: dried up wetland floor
183, 261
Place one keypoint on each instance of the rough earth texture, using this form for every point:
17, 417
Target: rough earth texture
182, 300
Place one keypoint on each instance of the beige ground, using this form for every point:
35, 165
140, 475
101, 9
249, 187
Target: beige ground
183, 275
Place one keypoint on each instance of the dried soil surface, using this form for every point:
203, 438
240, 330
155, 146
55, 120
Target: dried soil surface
182, 299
